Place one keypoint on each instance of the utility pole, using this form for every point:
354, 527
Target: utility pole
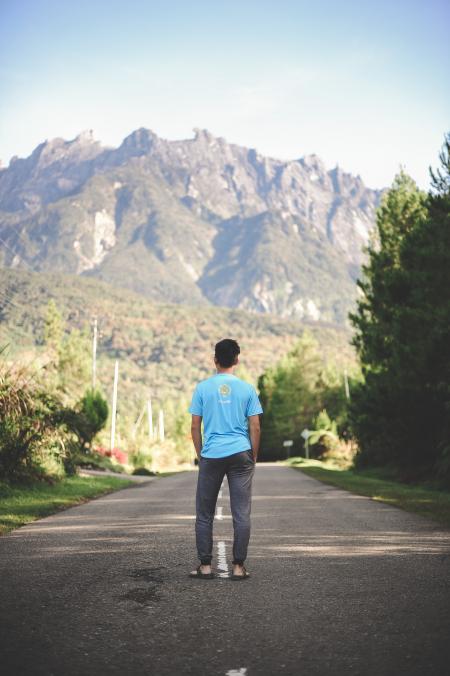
94, 353
306, 434
138, 421
161, 425
151, 434
346, 387
114, 403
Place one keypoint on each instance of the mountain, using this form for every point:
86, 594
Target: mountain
197, 221
162, 348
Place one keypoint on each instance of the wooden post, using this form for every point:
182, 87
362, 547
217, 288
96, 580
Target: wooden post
347, 389
114, 404
151, 434
94, 354
138, 421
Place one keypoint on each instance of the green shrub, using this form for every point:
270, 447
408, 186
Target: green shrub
40, 438
324, 438
143, 471
141, 458
88, 417
31, 430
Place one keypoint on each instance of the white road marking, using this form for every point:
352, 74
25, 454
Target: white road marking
237, 672
222, 559
219, 513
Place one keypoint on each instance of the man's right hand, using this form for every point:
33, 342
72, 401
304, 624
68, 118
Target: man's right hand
254, 429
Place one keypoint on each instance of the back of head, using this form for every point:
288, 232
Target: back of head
226, 352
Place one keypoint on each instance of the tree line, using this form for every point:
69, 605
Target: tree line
399, 410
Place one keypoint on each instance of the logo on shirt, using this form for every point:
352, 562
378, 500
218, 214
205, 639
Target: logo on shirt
224, 390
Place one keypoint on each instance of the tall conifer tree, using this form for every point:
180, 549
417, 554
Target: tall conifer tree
401, 413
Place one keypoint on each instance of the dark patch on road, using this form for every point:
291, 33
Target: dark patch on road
145, 595
142, 595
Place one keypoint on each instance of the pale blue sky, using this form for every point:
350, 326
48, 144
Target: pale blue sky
362, 84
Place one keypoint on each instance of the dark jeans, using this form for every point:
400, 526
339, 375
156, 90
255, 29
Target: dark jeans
239, 469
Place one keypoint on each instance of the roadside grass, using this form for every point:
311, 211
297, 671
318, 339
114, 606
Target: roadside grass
424, 500
21, 504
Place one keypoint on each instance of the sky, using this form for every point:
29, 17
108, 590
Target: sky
364, 85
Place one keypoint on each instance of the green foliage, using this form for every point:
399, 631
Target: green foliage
93, 460
68, 364
179, 426
166, 349
162, 347
94, 410
88, 417
141, 459
74, 362
293, 391
33, 434
401, 414
53, 326
401, 210
323, 427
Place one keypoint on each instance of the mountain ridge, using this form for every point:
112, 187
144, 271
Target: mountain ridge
196, 219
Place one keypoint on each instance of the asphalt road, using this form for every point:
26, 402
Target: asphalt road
340, 585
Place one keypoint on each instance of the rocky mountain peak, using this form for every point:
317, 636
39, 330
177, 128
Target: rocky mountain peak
139, 142
84, 137
196, 220
314, 166
203, 135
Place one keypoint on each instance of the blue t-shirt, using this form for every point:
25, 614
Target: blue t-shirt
225, 402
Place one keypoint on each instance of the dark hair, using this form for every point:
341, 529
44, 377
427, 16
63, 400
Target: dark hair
226, 352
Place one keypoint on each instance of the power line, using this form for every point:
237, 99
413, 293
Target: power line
5, 299
2, 241
21, 307
16, 329
17, 304
18, 233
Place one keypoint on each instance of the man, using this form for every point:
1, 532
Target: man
229, 408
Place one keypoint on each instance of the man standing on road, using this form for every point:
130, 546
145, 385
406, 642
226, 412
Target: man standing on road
230, 411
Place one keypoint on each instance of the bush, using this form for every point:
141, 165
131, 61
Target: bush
32, 430
141, 458
88, 417
93, 460
94, 408
323, 439
143, 471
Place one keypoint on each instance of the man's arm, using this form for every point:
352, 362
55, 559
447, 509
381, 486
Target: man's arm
196, 433
254, 429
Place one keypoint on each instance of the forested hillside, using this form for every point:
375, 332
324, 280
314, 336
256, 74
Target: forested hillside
162, 348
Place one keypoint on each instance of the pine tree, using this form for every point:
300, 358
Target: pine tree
374, 404
422, 330
401, 209
53, 326
401, 413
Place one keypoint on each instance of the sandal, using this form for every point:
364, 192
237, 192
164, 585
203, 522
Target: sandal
244, 575
203, 576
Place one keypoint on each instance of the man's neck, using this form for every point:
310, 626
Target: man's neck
225, 371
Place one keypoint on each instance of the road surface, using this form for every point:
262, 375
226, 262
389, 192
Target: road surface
340, 584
